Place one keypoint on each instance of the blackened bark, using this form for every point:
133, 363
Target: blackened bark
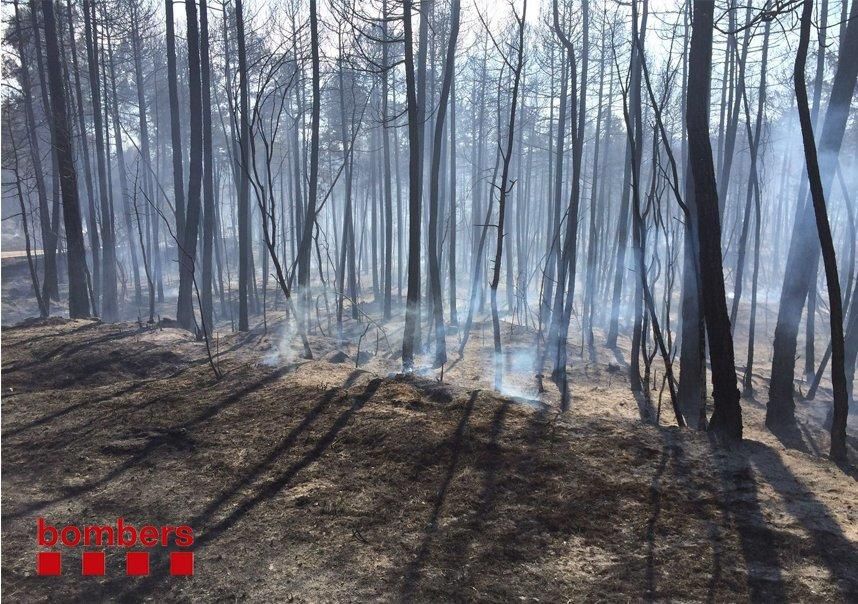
208, 169
347, 243
552, 261
727, 416
313, 186
634, 125
50, 285
803, 251
412, 308
434, 188
91, 221
838, 374
754, 184
387, 285
452, 258
187, 239
35, 152
593, 234
123, 178
61, 140
244, 178
109, 297
504, 190
175, 128
31, 264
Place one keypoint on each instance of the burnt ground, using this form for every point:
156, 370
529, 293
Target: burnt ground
323, 481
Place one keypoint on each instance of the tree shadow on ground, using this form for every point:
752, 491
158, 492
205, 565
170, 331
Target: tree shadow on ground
794, 437
30, 323
454, 444
826, 541
55, 415
807, 437
741, 507
480, 491
256, 486
72, 347
655, 512
149, 447
473, 536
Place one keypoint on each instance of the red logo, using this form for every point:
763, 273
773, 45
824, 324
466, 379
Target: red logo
119, 534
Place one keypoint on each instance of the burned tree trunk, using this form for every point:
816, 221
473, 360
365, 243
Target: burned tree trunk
49, 219
803, 251
208, 168
412, 308
306, 240
244, 274
61, 140
387, 285
727, 416
187, 240
829, 259
36, 157
109, 298
123, 177
454, 315
175, 128
434, 187
503, 191
91, 217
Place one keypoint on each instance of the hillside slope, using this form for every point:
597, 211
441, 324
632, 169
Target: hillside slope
316, 481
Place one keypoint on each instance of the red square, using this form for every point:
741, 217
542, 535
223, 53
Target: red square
137, 564
93, 564
181, 564
49, 564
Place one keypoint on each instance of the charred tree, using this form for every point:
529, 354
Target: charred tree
91, 214
61, 141
727, 416
504, 189
306, 240
187, 239
208, 168
434, 188
175, 119
829, 259
803, 251
244, 274
109, 309
412, 308
36, 158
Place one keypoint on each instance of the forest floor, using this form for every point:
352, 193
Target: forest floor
337, 480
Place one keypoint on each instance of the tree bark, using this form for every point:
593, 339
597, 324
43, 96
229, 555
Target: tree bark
61, 140
412, 308
312, 194
829, 259
244, 274
35, 154
208, 169
727, 416
803, 251
175, 128
91, 217
434, 188
187, 239
123, 178
109, 298
502, 196
387, 286
48, 218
